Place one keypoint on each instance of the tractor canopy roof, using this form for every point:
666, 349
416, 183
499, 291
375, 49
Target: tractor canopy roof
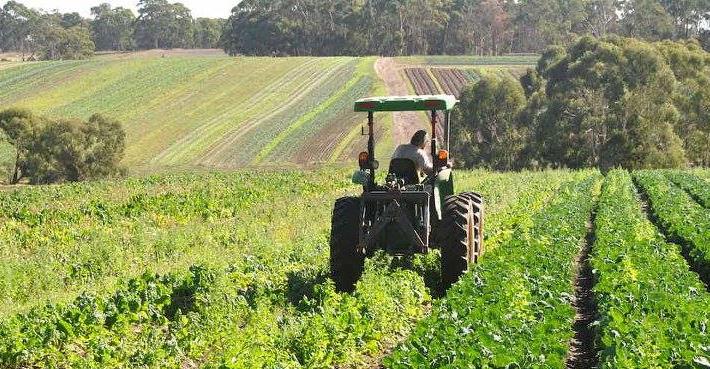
406, 103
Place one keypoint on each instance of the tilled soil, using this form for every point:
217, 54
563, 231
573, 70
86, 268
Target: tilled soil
582, 353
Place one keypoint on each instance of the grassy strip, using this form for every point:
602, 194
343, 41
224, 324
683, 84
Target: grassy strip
680, 216
434, 80
513, 309
696, 187
653, 310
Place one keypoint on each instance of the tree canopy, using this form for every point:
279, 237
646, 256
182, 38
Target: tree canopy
611, 102
52, 35
62, 150
482, 27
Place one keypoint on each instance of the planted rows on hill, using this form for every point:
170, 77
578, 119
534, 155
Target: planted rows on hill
241, 144
421, 81
314, 136
468, 60
680, 216
513, 308
652, 309
452, 81
201, 110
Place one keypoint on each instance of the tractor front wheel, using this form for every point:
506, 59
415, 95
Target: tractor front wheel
346, 263
460, 236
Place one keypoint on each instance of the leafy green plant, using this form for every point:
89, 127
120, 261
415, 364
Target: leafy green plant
652, 310
684, 219
696, 187
511, 310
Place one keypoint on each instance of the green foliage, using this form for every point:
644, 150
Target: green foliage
653, 310
609, 105
40, 35
163, 25
646, 19
235, 293
612, 102
208, 33
696, 187
691, 96
433, 27
50, 151
74, 150
512, 309
112, 28
54, 42
684, 219
486, 132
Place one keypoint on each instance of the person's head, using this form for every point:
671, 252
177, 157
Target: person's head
419, 139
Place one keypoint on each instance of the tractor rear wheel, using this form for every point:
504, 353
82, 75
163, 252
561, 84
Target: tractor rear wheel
460, 236
346, 263
478, 211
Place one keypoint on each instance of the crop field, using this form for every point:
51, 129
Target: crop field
206, 110
450, 74
230, 270
467, 60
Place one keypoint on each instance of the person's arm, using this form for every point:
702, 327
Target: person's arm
425, 163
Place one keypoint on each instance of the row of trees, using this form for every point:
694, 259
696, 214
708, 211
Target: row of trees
51, 36
61, 150
611, 102
483, 27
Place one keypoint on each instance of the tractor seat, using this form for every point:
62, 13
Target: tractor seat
406, 170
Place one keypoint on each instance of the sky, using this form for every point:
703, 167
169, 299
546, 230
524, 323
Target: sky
200, 8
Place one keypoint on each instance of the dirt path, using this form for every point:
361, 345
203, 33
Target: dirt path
405, 123
582, 353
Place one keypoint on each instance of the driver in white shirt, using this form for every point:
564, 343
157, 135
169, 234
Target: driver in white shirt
415, 152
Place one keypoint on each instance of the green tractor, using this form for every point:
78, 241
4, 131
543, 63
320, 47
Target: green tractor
406, 214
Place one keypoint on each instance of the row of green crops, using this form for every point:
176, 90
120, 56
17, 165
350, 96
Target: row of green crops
268, 303
512, 309
696, 187
51, 247
680, 216
254, 314
653, 312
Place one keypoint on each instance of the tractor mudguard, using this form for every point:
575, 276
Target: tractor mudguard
443, 187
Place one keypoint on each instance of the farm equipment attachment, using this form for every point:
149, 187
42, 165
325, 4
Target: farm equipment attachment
406, 214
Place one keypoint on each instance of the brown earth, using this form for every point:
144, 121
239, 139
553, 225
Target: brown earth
405, 123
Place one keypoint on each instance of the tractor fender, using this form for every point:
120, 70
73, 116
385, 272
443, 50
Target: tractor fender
443, 187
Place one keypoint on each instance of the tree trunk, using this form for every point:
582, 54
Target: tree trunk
16, 171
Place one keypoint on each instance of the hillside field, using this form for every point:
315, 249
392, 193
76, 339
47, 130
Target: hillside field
206, 109
229, 270
203, 109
